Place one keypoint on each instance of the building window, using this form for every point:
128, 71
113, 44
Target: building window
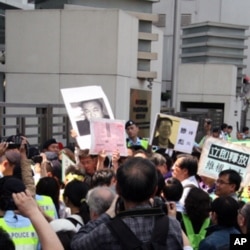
185, 19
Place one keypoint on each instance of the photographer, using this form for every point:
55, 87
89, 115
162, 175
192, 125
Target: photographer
14, 161
136, 184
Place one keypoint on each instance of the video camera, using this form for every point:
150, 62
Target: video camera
13, 141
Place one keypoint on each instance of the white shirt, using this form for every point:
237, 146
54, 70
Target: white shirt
187, 185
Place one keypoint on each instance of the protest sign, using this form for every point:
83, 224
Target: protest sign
83, 104
66, 162
218, 155
174, 133
108, 135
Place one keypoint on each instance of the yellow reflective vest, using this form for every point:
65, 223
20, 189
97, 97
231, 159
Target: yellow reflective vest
24, 238
47, 205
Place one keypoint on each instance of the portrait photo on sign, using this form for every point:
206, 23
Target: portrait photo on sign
172, 132
165, 131
85, 111
84, 104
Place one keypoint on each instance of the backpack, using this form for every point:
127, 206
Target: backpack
195, 239
128, 239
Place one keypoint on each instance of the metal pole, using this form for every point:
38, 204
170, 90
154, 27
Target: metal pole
175, 55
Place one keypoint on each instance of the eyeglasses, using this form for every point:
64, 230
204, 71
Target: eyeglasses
221, 182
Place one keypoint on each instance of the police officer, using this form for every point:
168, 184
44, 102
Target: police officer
133, 140
19, 228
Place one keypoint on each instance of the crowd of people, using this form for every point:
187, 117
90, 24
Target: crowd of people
146, 200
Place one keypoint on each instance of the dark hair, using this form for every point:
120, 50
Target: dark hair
161, 119
98, 101
76, 192
71, 169
173, 189
197, 206
49, 186
102, 177
6, 242
244, 129
188, 162
136, 179
230, 127
8, 186
84, 153
223, 126
160, 183
233, 177
215, 130
226, 209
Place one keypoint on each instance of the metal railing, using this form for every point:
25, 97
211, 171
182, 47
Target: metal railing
37, 122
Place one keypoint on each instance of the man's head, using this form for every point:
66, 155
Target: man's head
51, 145
224, 211
132, 129
229, 129
223, 127
136, 180
216, 132
92, 109
99, 200
227, 183
207, 123
184, 167
103, 177
8, 161
8, 186
245, 130
160, 162
163, 126
88, 162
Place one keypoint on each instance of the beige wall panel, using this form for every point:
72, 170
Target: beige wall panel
32, 41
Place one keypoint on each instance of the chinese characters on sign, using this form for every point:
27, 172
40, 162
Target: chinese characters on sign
174, 133
218, 155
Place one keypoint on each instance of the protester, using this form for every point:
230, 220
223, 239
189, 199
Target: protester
244, 218
136, 183
185, 170
99, 199
172, 192
195, 219
224, 212
48, 186
228, 183
74, 197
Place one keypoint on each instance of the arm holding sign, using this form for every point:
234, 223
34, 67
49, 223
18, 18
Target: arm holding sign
100, 159
115, 159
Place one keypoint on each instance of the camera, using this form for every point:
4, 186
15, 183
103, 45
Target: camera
13, 141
